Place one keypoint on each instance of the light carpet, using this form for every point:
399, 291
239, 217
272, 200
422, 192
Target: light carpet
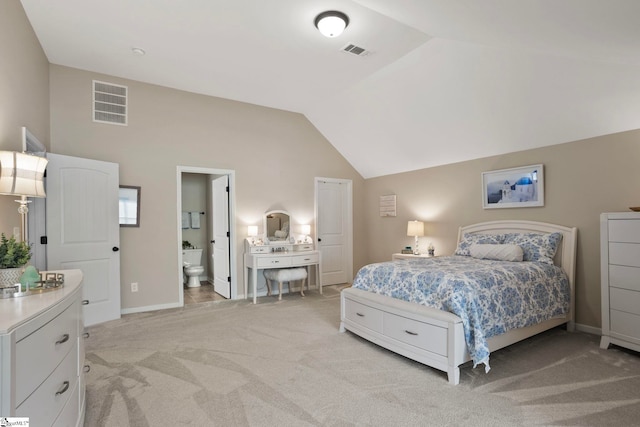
284, 363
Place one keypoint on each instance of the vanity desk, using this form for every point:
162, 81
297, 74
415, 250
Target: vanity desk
261, 257
278, 249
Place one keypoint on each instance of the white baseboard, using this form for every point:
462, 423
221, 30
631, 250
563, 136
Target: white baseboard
588, 329
149, 308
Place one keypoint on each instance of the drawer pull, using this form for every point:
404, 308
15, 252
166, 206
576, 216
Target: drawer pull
360, 314
307, 259
85, 335
65, 387
86, 368
63, 340
411, 333
85, 302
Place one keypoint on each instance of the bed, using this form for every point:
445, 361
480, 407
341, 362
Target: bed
438, 337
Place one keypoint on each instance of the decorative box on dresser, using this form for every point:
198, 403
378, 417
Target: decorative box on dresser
42, 355
620, 279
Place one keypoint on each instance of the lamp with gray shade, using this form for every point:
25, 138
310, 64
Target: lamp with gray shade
22, 174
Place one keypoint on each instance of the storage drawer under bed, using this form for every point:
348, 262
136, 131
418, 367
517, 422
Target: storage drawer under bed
418, 334
363, 315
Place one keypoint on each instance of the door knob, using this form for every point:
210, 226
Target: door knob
319, 239
115, 249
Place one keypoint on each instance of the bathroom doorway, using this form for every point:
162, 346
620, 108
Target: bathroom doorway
199, 219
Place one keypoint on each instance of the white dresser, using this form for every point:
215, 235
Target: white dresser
42, 356
620, 279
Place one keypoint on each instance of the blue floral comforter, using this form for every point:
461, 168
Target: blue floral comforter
491, 297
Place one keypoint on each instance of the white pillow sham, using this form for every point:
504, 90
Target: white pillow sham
496, 252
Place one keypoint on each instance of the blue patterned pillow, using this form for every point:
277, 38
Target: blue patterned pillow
469, 239
537, 247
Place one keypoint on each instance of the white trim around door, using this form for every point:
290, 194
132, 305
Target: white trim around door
232, 224
348, 223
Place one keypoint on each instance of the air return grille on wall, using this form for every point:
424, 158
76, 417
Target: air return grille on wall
109, 103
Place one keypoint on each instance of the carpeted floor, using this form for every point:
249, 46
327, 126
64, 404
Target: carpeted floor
284, 363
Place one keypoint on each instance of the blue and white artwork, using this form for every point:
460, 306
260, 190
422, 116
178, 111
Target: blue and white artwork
513, 188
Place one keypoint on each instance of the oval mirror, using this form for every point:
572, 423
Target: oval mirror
277, 225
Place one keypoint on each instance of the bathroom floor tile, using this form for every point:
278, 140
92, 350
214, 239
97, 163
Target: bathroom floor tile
204, 293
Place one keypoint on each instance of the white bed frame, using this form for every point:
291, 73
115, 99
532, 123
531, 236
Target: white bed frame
434, 337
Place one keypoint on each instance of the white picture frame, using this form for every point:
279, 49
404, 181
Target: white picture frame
520, 187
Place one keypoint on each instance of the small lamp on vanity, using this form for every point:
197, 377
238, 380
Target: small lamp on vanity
306, 231
416, 229
252, 231
22, 174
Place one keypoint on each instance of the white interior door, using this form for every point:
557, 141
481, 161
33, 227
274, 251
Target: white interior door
83, 230
221, 250
334, 230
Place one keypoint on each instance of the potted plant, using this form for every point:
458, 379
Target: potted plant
13, 256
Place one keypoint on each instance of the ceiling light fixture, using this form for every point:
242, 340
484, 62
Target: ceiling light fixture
331, 23
138, 51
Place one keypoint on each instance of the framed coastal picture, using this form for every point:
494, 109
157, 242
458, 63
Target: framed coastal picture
520, 187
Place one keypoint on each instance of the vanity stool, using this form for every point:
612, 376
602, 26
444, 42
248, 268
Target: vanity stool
285, 275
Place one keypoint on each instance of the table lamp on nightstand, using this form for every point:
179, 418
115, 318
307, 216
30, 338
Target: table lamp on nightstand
416, 229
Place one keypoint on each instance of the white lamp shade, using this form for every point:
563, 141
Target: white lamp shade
252, 230
331, 23
22, 174
306, 229
415, 228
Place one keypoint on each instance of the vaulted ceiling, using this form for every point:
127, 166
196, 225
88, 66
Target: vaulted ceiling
442, 81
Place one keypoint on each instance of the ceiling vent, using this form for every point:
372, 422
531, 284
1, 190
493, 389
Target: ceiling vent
355, 50
109, 103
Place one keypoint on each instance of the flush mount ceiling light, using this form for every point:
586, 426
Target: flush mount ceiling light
331, 23
138, 51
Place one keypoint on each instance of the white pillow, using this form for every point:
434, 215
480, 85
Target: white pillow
496, 252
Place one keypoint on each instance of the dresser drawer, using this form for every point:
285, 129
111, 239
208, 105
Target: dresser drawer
69, 414
48, 400
39, 353
274, 261
624, 230
624, 277
305, 259
624, 254
363, 315
259, 249
303, 247
625, 325
624, 300
418, 334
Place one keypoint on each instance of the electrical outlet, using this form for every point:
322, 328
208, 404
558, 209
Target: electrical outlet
134, 287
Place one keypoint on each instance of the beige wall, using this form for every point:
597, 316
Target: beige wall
582, 179
275, 155
24, 92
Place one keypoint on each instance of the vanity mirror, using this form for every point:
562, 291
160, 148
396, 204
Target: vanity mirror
277, 225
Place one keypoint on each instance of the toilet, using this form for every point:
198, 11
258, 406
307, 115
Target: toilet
191, 259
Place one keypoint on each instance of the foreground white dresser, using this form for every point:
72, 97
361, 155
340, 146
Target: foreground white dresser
620, 279
42, 356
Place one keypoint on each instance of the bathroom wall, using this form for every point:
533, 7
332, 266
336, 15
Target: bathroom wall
194, 199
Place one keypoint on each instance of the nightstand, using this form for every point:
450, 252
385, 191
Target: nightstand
408, 256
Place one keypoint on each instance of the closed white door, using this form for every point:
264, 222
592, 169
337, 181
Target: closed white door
83, 231
221, 252
334, 230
